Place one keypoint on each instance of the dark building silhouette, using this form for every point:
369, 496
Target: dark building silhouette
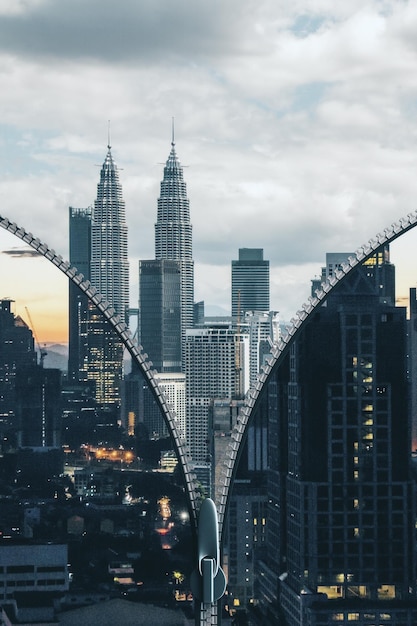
17, 355
413, 365
341, 516
30, 407
38, 400
80, 257
247, 520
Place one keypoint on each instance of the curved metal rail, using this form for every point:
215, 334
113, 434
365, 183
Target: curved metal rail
281, 347
277, 353
124, 334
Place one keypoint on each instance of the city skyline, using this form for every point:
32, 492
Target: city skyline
299, 137
47, 297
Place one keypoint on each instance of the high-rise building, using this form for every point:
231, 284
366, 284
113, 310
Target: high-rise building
246, 534
39, 410
80, 257
173, 386
210, 374
412, 335
246, 523
30, 408
98, 248
173, 235
263, 330
250, 283
160, 313
109, 269
17, 356
341, 516
378, 268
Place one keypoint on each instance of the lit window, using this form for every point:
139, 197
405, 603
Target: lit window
386, 591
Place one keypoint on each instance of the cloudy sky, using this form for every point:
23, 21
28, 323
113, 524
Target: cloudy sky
296, 122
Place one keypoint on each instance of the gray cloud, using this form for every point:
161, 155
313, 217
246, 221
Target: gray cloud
128, 31
298, 125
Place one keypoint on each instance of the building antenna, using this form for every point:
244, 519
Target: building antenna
108, 134
173, 132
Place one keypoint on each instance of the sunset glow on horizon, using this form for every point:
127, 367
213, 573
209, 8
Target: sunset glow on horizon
36, 285
37, 289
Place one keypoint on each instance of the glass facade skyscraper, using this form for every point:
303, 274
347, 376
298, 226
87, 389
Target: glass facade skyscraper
98, 248
109, 257
173, 236
210, 374
250, 283
160, 313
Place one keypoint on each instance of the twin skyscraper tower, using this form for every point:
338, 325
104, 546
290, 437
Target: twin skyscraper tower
98, 248
166, 284
196, 362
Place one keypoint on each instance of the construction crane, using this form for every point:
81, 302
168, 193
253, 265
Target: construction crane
42, 351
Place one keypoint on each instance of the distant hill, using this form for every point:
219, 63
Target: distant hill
212, 310
56, 357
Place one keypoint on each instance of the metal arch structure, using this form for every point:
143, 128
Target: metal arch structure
280, 349
134, 350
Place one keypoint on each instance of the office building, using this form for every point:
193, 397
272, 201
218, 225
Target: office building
80, 257
173, 386
199, 313
17, 354
33, 579
30, 410
210, 374
160, 313
412, 335
144, 416
250, 283
263, 329
38, 407
378, 269
173, 236
246, 534
246, 524
341, 516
